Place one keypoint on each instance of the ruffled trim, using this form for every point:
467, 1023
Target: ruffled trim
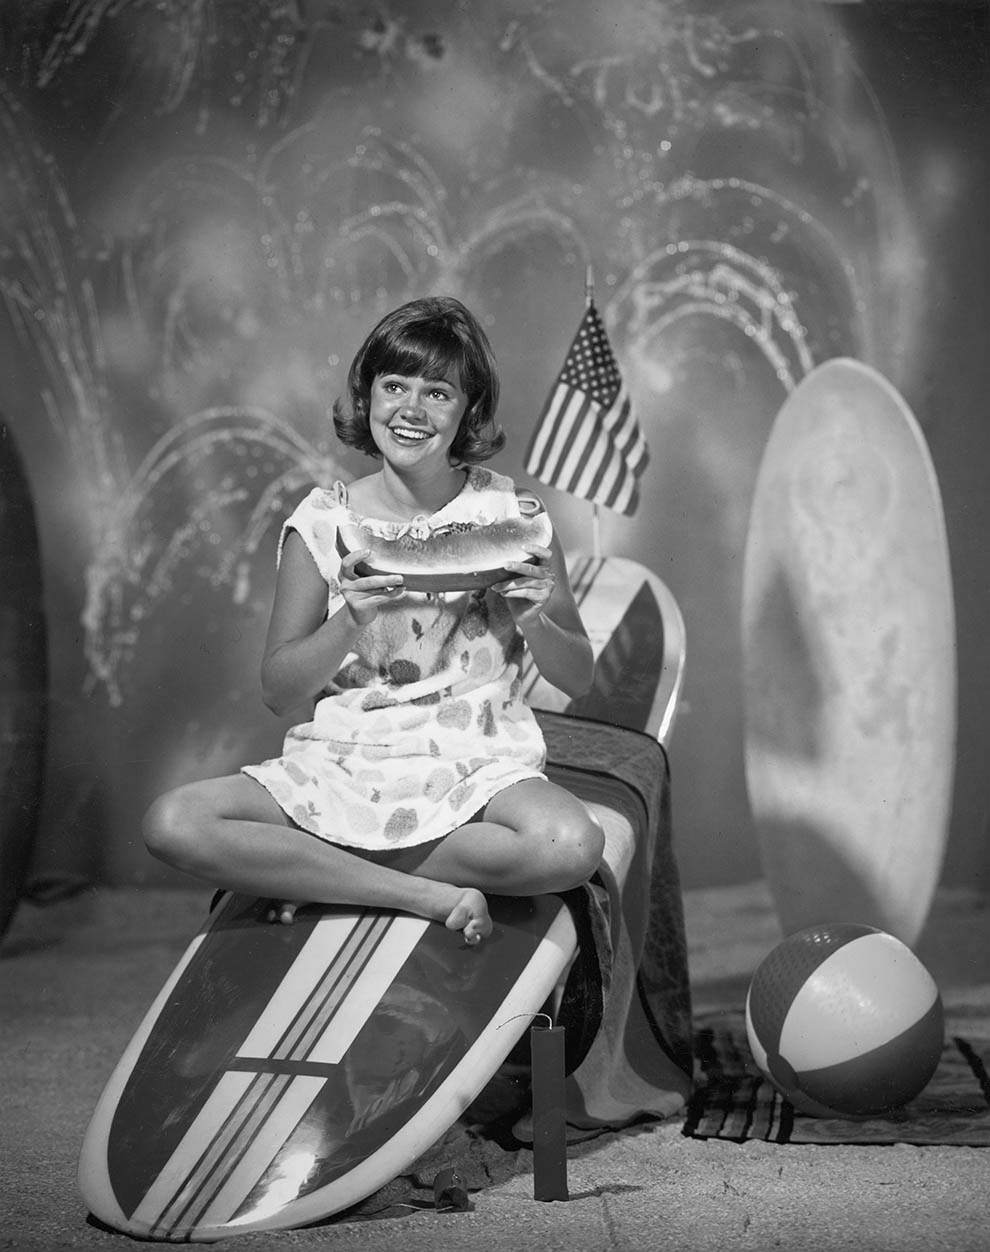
479, 481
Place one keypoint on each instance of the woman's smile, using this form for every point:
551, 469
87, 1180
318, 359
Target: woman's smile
407, 434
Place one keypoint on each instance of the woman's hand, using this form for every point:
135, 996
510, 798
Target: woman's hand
365, 595
530, 591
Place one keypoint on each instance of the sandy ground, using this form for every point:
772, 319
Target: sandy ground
76, 977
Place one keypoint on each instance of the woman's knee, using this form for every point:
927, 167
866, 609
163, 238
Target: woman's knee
577, 842
558, 835
173, 827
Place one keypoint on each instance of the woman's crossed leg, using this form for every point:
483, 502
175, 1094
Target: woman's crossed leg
534, 837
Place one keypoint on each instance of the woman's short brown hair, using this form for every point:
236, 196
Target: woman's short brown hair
433, 337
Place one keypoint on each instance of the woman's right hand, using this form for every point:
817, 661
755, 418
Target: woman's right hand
364, 595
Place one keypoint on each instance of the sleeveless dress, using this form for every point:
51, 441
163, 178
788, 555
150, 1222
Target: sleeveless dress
425, 722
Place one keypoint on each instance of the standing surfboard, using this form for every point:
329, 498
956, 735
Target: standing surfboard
286, 1072
637, 637
848, 644
23, 678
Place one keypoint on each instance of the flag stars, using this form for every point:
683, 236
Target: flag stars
590, 364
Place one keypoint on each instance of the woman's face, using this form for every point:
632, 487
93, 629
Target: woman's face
414, 420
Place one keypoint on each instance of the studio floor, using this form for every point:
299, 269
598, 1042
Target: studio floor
76, 977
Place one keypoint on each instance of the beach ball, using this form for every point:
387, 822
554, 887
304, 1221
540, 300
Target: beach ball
845, 1021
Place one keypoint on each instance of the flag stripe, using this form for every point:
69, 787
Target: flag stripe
567, 412
587, 437
601, 455
589, 450
627, 434
605, 490
591, 487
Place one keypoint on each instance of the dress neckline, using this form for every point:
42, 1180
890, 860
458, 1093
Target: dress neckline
343, 498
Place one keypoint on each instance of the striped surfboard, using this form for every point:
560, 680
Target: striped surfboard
285, 1073
637, 636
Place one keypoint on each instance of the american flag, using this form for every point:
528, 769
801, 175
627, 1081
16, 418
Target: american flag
588, 441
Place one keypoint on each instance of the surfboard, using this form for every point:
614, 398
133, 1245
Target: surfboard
23, 678
848, 644
637, 636
284, 1073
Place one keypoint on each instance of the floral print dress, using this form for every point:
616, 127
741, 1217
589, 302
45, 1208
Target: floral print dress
424, 723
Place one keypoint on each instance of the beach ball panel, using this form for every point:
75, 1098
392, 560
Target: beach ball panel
875, 1081
785, 970
868, 992
755, 1043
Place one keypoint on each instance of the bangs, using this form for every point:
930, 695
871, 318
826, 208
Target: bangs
425, 355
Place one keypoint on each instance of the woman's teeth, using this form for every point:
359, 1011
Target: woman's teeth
404, 432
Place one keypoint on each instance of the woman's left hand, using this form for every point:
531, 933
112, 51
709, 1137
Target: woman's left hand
529, 591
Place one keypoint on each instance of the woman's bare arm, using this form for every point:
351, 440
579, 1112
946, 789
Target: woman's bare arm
305, 649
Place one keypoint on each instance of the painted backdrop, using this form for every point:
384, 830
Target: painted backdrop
206, 203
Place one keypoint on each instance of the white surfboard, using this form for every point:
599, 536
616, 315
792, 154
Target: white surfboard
848, 643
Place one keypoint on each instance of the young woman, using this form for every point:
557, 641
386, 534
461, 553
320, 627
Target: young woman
417, 784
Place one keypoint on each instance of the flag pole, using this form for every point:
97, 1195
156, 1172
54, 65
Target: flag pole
596, 524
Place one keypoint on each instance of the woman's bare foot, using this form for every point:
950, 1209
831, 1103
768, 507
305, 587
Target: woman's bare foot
284, 911
470, 916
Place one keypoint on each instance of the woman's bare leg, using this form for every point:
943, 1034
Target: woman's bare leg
535, 837
230, 831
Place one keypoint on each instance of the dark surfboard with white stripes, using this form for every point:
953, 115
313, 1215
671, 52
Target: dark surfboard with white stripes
637, 636
286, 1072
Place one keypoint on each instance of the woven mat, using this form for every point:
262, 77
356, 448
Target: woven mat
732, 1100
